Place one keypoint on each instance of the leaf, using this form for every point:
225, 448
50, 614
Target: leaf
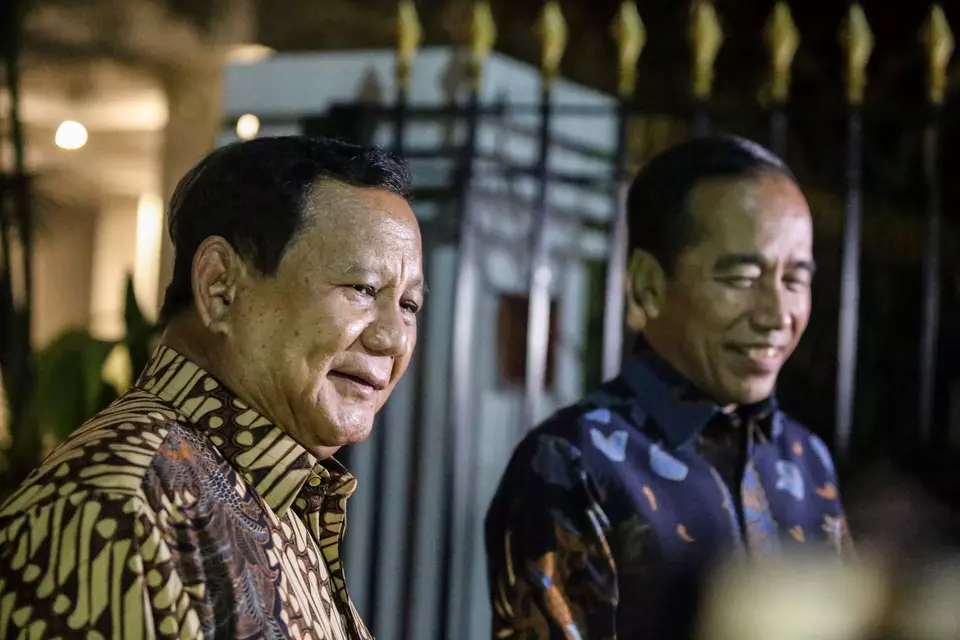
133, 317
140, 331
69, 387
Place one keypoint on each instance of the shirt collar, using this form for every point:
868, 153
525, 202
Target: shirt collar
271, 462
679, 410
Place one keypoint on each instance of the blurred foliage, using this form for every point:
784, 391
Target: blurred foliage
16, 231
75, 380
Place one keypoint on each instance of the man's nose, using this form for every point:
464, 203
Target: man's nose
772, 312
388, 334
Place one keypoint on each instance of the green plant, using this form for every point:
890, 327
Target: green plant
70, 385
17, 366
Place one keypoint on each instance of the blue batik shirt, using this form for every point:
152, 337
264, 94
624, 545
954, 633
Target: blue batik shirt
610, 513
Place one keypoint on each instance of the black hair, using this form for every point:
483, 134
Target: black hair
252, 194
658, 214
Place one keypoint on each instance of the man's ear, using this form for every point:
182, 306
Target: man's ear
645, 289
217, 268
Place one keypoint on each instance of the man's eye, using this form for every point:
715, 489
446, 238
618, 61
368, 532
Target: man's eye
365, 289
738, 282
411, 306
796, 284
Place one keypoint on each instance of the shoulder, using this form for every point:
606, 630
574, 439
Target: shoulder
577, 442
109, 456
810, 446
602, 411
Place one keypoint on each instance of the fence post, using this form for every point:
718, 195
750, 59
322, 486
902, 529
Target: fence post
552, 30
938, 39
629, 33
706, 38
782, 39
857, 40
460, 530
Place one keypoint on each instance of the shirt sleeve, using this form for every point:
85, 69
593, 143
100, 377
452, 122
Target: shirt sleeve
835, 518
551, 573
90, 565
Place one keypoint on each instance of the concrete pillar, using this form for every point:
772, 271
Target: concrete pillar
194, 122
114, 258
62, 262
193, 93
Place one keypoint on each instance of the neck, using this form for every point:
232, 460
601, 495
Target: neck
184, 336
643, 346
187, 337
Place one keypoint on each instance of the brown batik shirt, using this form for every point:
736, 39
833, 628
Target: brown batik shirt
178, 512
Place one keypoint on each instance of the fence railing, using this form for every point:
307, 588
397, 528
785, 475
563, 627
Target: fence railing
705, 42
457, 503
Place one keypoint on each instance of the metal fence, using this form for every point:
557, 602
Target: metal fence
462, 502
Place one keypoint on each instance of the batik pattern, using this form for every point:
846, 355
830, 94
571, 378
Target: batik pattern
178, 512
610, 512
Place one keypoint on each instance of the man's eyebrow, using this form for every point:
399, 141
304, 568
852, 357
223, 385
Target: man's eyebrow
734, 260
806, 265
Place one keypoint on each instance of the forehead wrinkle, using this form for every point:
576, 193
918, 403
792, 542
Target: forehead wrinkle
362, 235
342, 204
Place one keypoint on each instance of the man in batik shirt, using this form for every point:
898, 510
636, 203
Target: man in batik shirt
611, 511
205, 502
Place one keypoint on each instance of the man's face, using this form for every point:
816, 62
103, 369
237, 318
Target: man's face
739, 299
325, 340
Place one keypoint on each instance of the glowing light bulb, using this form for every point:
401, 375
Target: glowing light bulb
248, 126
71, 135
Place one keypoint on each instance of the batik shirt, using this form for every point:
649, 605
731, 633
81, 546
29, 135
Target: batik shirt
178, 512
610, 513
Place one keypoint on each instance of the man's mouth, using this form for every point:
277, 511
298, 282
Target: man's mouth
363, 379
760, 352
764, 357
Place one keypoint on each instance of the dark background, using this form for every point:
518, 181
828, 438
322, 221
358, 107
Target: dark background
889, 467
888, 457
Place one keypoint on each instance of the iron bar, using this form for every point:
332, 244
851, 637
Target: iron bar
938, 38
700, 124
849, 284
931, 275
891, 114
461, 461
778, 130
613, 327
857, 40
540, 278
782, 40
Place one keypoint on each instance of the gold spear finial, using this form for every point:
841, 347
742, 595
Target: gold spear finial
552, 31
483, 33
630, 35
408, 40
857, 40
706, 37
938, 38
782, 39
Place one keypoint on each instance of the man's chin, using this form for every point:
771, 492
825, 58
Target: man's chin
752, 393
350, 432
328, 436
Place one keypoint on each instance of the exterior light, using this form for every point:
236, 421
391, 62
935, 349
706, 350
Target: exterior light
71, 135
248, 126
